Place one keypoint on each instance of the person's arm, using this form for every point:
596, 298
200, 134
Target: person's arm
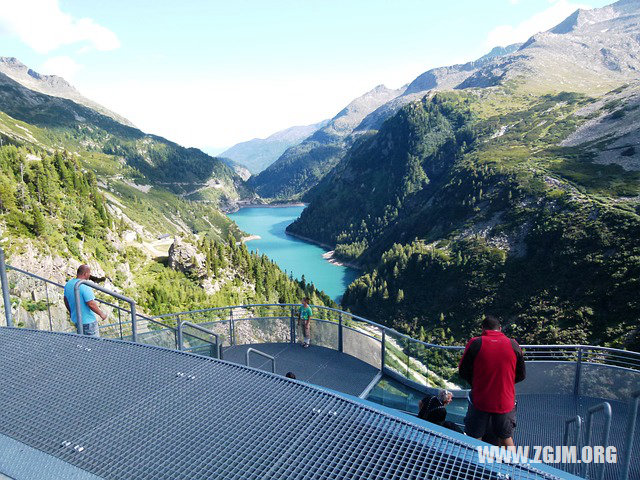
93, 305
465, 368
66, 304
521, 369
90, 299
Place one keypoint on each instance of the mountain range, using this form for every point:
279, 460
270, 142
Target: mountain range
514, 191
259, 153
592, 52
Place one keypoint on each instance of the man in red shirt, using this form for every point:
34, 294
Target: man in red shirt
492, 364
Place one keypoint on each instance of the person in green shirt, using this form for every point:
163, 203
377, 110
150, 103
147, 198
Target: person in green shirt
304, 314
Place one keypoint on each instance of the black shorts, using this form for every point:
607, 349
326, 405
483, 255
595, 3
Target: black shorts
479, 424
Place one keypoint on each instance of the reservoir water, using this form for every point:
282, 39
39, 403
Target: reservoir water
291, 254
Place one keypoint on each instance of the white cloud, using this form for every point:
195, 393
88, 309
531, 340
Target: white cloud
41, 25
62, 66
504, 35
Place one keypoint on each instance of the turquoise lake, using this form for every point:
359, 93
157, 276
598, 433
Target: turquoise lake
291, 254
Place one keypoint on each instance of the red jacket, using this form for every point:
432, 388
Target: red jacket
492, 364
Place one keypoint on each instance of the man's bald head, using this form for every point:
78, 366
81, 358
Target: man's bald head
84, 272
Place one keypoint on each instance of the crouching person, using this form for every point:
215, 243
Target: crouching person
432, 408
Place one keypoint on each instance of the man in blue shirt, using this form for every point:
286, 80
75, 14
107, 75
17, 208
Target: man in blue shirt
88, 304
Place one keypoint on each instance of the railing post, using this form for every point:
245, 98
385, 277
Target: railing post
576, 383
46, 291
178, 333
382, 355
5, 290
292, 327
631, 431
578, 436
232, 333
76, 296
119, 322
340, 339
134, 329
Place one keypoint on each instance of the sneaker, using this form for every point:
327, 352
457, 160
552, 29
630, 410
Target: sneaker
305, 345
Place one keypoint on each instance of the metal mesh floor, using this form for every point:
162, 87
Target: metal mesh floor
128, 411
318, 365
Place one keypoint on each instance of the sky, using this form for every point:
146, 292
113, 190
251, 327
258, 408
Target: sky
212, 73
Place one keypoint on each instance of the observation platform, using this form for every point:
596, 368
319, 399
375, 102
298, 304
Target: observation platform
144, 406
86, 408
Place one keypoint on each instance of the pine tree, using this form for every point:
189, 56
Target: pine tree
39, 223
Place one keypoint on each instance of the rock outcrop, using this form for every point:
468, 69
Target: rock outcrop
184, 257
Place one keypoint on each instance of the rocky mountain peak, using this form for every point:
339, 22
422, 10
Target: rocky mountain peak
52, 85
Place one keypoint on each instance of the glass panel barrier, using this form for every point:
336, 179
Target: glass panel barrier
39, 305
324, 333
215, 320
608, 381
436, 367
151, 333
249, 331
362, 340
395, 354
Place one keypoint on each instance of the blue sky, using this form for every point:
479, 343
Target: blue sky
211, 73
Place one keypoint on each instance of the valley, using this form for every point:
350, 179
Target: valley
507, 185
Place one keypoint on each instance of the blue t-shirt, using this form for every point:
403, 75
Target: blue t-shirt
86, 295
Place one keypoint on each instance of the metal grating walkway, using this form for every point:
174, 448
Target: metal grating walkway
128, 411
318, 365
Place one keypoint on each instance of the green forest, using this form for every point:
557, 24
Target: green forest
52, 201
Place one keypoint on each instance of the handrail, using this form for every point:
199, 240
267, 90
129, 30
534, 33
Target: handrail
60, 286
606, 409
131, 302
631, 431
578, 436
202, 329
258, 352
578, 421
392, 330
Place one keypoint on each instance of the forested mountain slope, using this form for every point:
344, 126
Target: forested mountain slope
466, 203
64, 124
78, 187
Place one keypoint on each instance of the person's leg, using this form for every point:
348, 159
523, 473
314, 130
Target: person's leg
91, 329
506, 442
301, 331
307, 333
475, 422
503, 427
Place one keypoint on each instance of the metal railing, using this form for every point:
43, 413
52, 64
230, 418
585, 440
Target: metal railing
115, 329
180, 332
605, 408
132, 305
262, 354
630, 434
